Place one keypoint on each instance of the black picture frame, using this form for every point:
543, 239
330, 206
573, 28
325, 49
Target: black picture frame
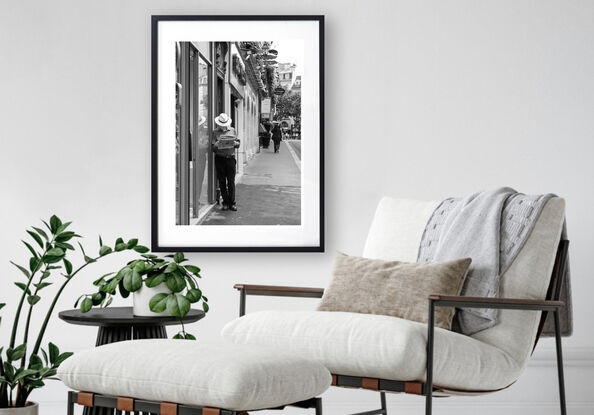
156, 246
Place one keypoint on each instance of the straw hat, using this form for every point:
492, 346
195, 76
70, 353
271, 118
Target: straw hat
223, 120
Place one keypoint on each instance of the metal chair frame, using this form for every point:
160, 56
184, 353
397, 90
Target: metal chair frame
124, 405
427, 388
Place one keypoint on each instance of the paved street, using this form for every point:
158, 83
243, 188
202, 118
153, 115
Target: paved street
268, 193
295, 145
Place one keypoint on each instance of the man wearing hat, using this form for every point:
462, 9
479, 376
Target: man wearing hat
224, 144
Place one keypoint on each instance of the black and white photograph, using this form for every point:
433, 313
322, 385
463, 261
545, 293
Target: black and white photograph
240, 162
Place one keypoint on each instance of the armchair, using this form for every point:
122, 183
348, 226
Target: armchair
388, 354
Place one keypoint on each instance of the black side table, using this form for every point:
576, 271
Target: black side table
118, 324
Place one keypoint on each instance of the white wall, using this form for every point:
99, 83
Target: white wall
468, 95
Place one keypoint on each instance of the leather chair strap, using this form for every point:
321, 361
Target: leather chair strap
415, 388
370, 383
85, 398
210, 411
168, 408
125, 404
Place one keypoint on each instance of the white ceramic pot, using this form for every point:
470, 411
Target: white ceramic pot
141, 300
32, 408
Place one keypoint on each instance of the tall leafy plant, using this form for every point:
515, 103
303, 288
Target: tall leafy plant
26, 365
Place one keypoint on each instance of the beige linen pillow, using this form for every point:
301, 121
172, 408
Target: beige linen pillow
393, 288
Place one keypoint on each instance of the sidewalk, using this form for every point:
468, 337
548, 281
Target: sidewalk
268, 193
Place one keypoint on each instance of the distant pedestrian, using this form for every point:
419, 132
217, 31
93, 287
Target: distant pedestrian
224, 144
277, 135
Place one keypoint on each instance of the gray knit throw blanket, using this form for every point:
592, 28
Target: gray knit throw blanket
490, 227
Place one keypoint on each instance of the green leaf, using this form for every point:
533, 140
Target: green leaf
44, 354
88, 259
194, 295
178, 257
171, 267
33, 299
104, 250
100, 241
53, 255
132, 281
41, 232
190, 336
61, 358
193, 269
21, 373
123, 291
30, 248
8, 371
22, 269
82, 249
35, 264
85, 306
175, 282
36, 237
178, 336
67, 266
111, 285
154, 280
158, 303
62, 227
132, 243
55, 224
65, 245
205, 307
97, 298
120, 247
42, 285
141, 249
66, 236
16, 353
177, 305
23, 287
35, 362
102, 278
54, 352
35, 383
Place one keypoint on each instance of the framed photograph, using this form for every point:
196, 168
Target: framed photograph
238, 133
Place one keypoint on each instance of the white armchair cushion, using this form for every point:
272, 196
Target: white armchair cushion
195, 373
377, 346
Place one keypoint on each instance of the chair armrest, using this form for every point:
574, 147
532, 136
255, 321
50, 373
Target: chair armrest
503, 303
280, 291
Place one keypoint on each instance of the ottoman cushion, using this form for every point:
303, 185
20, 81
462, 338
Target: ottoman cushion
221, 375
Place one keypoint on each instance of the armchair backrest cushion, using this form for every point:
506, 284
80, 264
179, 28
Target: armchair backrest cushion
395, 235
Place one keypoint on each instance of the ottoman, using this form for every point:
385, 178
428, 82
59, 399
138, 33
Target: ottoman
191, 377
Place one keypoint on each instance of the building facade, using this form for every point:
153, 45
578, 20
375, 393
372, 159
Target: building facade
212, 77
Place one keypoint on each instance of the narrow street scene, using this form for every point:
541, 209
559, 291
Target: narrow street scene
268, 192
238, 132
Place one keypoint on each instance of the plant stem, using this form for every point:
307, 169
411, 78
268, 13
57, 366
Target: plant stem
28, 323
3, 388
55, 300
17, 315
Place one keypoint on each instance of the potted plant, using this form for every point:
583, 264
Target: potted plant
25, 365
160, 286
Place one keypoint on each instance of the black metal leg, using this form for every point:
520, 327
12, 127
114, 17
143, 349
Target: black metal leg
318, 406
383, 401
241, 303
70, 410
429, 380
560, 363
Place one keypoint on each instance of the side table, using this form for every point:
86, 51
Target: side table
119, 324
